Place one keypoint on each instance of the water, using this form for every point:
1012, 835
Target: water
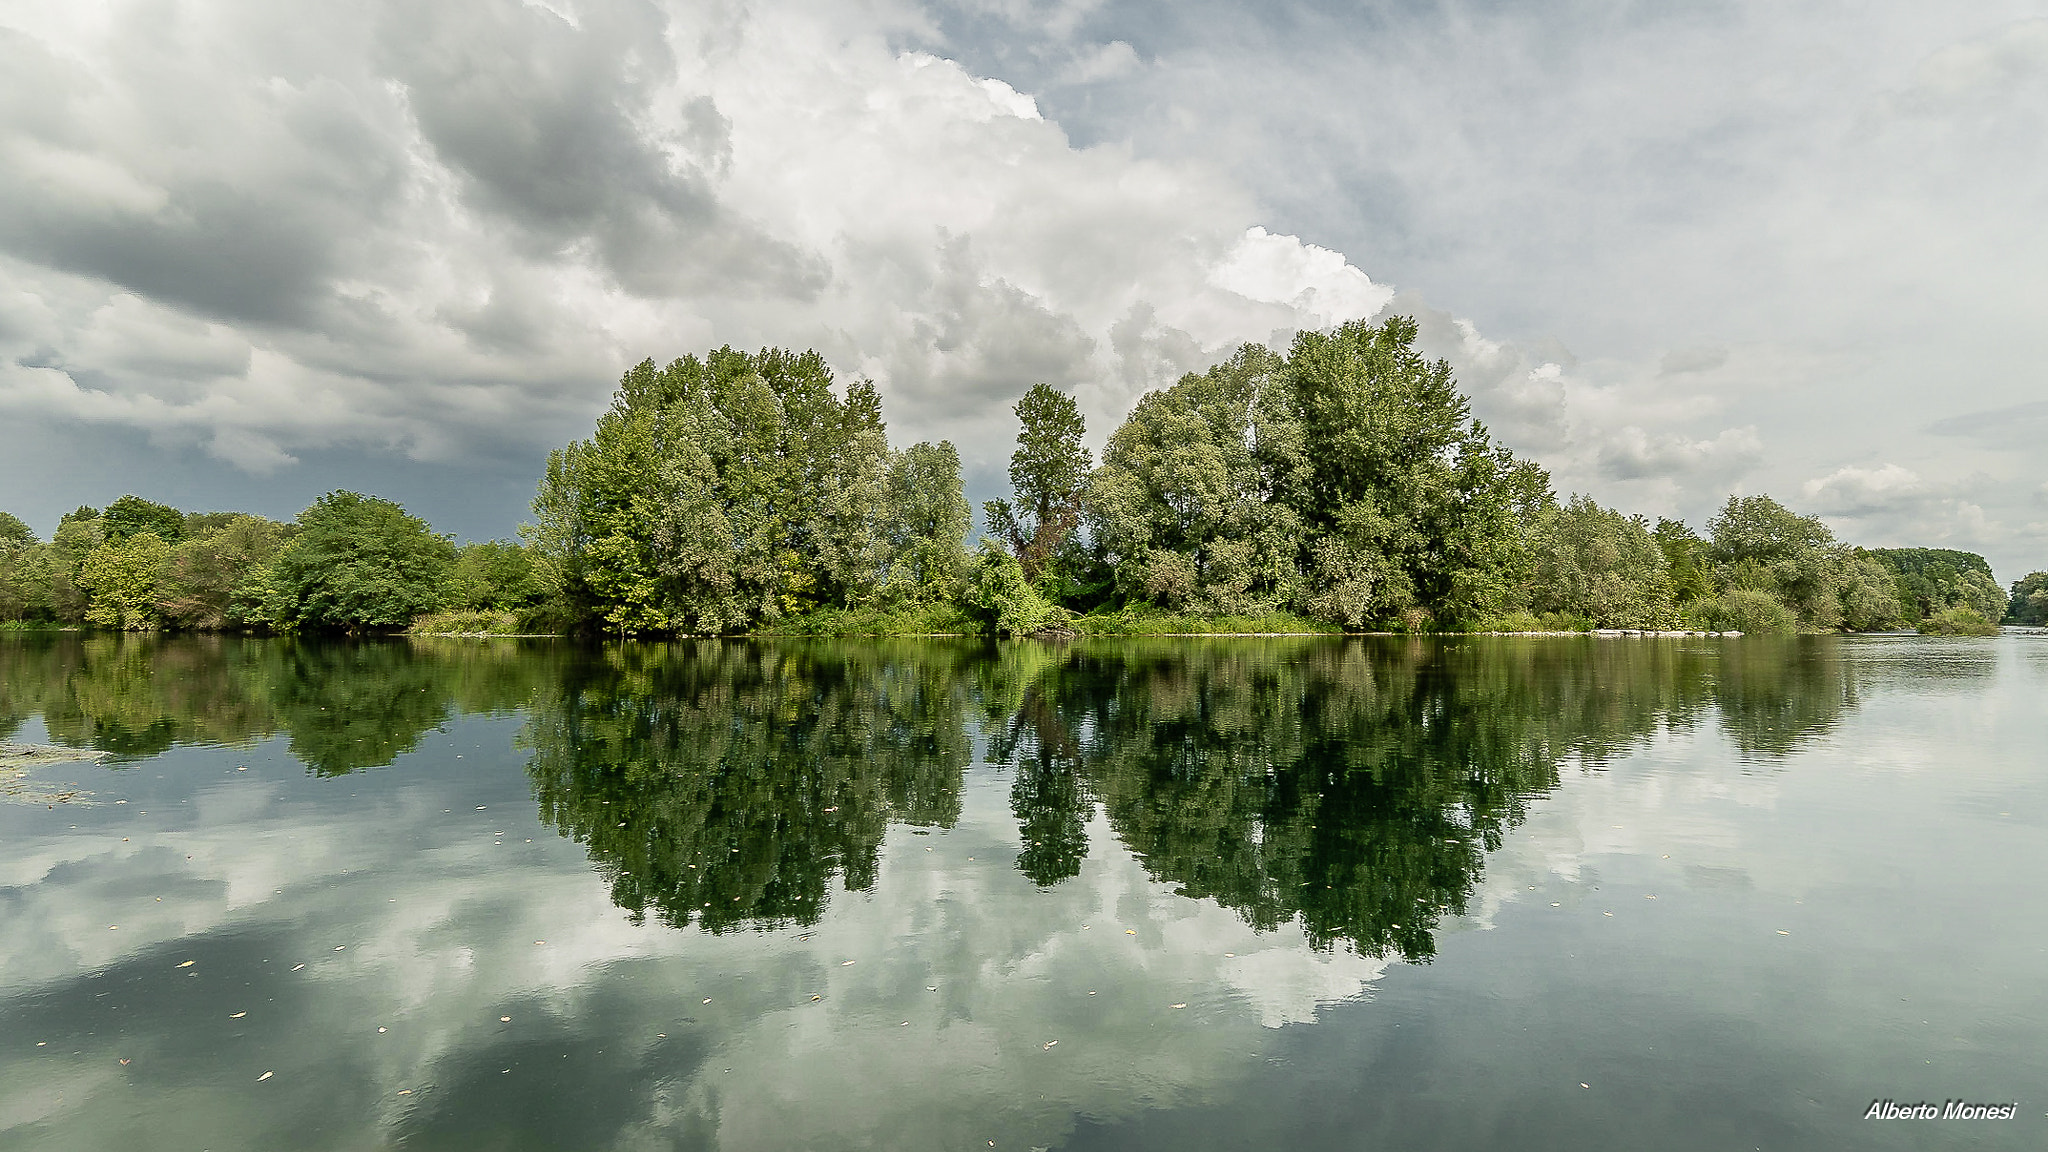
1178, 894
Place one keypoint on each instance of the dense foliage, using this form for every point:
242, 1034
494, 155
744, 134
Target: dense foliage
1341, 486
721, 494
1352, 785
2029, 603
349, 563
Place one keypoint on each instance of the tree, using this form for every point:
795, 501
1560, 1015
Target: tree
1411, 510
358, 564
1929, 581
121, 576
132, 516
14, 534
720, 494
1048, 475
1685, 556
928, 522
494, 576
216, 578
1602, 566
1182, 506
1760, 545
2029, 602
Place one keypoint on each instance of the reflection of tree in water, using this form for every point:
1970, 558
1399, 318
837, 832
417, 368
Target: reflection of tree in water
725, 783
344, 704
1354, 785
1778, 693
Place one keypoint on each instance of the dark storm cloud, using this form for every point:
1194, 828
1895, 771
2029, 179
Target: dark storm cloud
171, 199
548, 122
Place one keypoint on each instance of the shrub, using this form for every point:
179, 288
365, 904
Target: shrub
465, 622
1002, 602
1958, 621
1746, 610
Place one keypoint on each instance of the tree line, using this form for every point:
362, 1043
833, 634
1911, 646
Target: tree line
1343, 486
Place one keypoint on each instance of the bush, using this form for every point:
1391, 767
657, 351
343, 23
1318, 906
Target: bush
1003, 603
1958, 621
1746, 610
466, 622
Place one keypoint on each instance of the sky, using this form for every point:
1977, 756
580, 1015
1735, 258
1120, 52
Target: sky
252, 252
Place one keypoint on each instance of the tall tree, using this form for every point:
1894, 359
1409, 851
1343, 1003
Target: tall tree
928, 521
1048, 476
1412, 511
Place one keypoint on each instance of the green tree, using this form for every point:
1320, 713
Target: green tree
719, 494
1685, 556
1762, 546
1601, 566
217, 578
1002, 601
494, 576
1411, 510
927, 523
2029, 601
1048, 477
358, 564
132, 516
121, 578
1182, 508
14, 534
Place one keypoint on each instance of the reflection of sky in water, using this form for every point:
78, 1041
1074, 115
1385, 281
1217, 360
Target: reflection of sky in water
1740, 945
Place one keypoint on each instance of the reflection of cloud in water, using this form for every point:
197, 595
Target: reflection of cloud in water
437, 948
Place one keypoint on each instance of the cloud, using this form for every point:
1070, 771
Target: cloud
1682, 360
1635, 454
2017, 426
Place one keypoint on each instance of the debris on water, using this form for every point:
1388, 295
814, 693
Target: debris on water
1782, 932
1177, 1005
1130, 931
814, 999
405, 1091
504, 1019
188, 963
707, 999
845, 963
265, 1076
239, 1015
296, 967
1048, 1043
380, 1030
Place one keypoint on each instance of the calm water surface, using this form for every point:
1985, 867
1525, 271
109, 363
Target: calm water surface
1178, 894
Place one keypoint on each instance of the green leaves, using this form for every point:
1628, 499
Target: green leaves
358, 564
1346, 481
724, 493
